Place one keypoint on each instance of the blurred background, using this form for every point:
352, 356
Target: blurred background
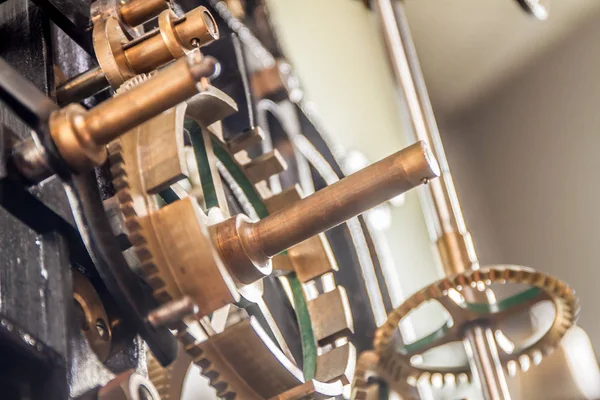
516, 101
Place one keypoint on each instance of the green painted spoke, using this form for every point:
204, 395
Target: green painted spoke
503, 305
208, 186
426, 343
309, 345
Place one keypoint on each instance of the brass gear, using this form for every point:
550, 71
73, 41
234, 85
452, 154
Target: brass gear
177, 258
169, 380
396, 364
367, 367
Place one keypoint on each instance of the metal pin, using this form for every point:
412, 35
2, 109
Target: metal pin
172, 312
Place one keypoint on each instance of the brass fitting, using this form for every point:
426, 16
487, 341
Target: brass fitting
246, 247
120, 59
95, 324
173, 38
454, 249
80, 135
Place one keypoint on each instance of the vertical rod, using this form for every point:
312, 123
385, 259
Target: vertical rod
454, 242
447, 218
483, 356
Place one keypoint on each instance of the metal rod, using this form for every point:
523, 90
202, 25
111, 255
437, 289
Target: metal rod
448, 216
483, 356
80, 136
450, 233
173, 311
345, 199
175, 84
136, 12
246, 247
81, 86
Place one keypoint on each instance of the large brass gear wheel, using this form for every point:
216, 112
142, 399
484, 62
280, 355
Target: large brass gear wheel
169, 231
394, 360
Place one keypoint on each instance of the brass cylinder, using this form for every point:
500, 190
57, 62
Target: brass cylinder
455, 251
172, 39
346, 199
246, 247
136, 12
168, 88
81, 86
80, 136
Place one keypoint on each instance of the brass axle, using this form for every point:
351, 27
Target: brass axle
81, 135
247, 247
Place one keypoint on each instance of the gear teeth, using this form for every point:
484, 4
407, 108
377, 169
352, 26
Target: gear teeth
566, 304
149, 270
524, 362
133, 82
120, 183
162, 296
145, 257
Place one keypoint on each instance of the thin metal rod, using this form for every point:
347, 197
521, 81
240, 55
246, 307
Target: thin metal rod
447, 222
485, 363
81, 86
410, 81
173, 311
345, 199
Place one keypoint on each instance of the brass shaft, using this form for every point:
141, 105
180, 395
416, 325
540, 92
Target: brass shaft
81, 86
136, 12
447, 224
346, 199
80, 135
246, 246
166, 89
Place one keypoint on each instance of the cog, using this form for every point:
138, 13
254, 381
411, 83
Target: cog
169, 380
396, 361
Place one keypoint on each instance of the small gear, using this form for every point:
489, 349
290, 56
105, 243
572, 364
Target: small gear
133, 82
372, 382
396, 361
169, 380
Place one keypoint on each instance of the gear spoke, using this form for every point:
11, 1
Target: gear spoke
544, 288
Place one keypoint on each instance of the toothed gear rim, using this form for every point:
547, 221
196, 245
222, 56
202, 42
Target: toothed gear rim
398, 365
124, 176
